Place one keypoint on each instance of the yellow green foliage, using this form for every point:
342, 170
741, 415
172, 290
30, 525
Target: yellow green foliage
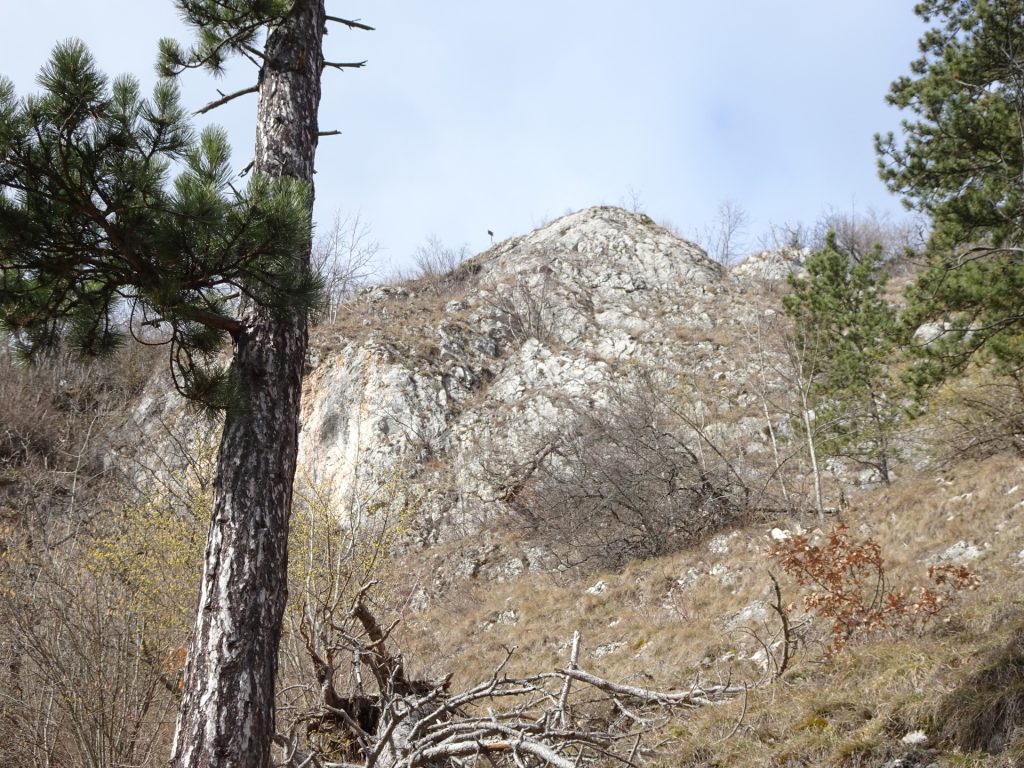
337, 547
155, 548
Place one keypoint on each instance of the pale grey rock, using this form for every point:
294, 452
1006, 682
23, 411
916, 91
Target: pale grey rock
719, 545
960, 553
551, 316
419, 600
684, 582
427, 407
773, 264
768, 659
915, 739
607, 649
508, 617
754, 614
929, 333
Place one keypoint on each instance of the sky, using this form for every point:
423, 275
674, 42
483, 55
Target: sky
473, 115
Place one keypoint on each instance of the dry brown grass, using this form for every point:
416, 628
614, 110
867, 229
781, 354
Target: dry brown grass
669, 621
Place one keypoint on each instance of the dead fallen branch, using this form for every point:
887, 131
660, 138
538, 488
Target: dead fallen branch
566, 718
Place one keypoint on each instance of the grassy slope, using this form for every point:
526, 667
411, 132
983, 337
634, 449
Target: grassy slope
670, 621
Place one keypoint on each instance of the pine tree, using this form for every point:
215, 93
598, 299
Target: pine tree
843, 324
91, 225
961, 161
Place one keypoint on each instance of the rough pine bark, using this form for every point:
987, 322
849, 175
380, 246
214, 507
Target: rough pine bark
227, 710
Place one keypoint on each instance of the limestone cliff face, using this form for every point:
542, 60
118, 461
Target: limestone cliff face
456, 385
439, 398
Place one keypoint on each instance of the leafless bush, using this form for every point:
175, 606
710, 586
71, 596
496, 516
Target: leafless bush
787, 236
51, 409
436, 266
724, 238
77, 687
343, 257
57, 417
628, 480
527, 307
978, 416
80, 687
856, 233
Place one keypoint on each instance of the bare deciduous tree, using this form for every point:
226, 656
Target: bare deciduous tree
723, 239
343, 257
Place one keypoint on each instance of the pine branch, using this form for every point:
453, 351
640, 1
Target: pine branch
256, 53
345, 64
350, 23
230, 97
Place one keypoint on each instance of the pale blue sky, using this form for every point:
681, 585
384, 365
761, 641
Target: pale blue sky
474, 115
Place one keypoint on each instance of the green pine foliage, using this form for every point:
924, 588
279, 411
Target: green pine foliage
115, 217
224, 28
960, 160
848, 334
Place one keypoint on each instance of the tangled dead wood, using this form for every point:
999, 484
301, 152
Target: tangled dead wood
565, 718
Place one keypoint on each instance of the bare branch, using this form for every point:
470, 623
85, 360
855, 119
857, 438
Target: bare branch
504, 720
474, 747
697, 697
350, 23
230, 97
574, 657
345, 64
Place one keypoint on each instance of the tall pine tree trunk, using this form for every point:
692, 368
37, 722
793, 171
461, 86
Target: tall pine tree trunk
227, 709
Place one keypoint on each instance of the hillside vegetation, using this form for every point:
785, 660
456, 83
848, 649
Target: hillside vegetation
901, 644
591, 497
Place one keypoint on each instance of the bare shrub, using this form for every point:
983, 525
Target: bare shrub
436, 266
81, 688
627, 480
335, 549
343, 257
52, 410
724, 238
527, 307
789, 236
858, 233
978, 416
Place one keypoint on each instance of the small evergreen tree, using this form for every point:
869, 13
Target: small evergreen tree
842, 320
960, 161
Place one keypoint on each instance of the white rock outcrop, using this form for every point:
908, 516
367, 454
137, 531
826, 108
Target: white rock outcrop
432, 397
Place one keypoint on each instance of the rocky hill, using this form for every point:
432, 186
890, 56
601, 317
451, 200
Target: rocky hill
472, 387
